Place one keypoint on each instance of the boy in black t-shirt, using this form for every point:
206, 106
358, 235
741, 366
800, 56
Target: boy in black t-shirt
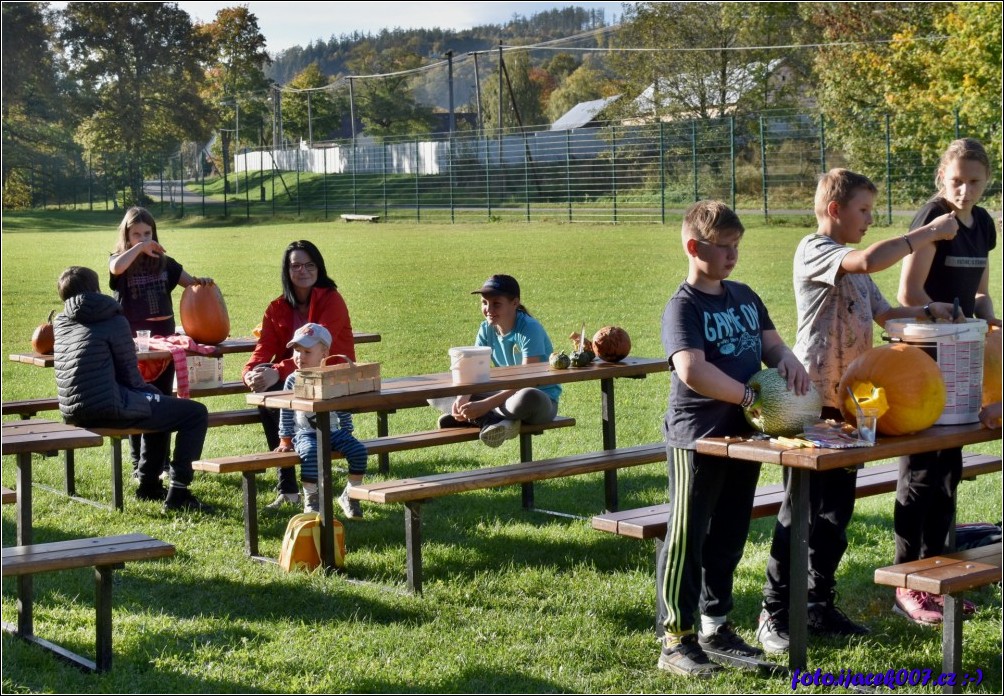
716, 334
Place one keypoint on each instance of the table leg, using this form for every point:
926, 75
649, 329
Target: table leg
413, 544
324, 490
116, 443
250, 513
610, 494
25, 583
383, 459
798, 583
526, 455
951, 641
69, 473
103, 617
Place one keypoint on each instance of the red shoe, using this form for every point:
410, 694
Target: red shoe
917, 606
968, 608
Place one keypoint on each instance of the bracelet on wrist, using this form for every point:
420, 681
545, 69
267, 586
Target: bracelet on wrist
907, 240
928, 312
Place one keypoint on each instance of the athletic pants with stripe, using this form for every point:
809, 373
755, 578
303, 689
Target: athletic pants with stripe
711, 500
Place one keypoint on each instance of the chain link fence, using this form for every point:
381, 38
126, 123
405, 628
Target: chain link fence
604, 172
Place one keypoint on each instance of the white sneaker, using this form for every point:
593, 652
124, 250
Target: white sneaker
311, 500
350, 506
495, 434
284, 499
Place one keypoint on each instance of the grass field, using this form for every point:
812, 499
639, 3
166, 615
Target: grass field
514, 601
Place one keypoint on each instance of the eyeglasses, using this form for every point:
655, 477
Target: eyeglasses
297, 267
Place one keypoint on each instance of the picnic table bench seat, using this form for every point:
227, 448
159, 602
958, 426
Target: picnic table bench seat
650, 522
248, 465
948, 575
9, 496
105, 554
412, 492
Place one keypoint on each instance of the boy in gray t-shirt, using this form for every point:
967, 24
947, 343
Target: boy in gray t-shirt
837, 302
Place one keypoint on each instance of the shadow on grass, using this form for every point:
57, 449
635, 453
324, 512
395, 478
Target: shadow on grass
471, 681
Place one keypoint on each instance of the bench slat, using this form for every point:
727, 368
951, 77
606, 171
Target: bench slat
82, 553
946, 574
392, 443
437, 485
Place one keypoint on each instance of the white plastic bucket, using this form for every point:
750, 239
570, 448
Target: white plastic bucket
470, 364
958, 350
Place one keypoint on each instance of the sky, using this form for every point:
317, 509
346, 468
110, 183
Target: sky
286, 24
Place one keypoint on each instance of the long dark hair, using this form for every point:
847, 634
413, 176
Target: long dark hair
323, 281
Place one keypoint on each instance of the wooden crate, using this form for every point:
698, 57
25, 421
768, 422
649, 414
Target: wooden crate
331, 381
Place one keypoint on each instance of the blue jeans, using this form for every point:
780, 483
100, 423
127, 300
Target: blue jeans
305, 444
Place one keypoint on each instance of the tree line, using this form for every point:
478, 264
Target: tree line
113, 88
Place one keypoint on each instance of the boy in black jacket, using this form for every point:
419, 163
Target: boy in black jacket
100, 386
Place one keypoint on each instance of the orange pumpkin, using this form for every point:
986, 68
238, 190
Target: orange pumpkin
992, 373
906, 377
611, 343
44, 338
204, 314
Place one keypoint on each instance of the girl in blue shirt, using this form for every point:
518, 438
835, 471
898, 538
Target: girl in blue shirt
515, 338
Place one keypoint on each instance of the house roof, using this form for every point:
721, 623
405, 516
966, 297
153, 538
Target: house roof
582, 113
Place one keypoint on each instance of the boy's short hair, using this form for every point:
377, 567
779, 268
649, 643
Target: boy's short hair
709, 220
77, 280
839, 185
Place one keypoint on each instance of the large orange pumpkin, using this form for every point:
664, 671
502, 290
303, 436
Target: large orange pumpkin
908, 380
204, 314
992, 373
611, 343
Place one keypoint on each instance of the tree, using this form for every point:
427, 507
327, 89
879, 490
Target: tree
521, 95
702, 70
918, 63
236, 86
325, 107
139, 67
35, 128
383, 99
585, 84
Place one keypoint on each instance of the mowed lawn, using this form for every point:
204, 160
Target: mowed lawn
514, 601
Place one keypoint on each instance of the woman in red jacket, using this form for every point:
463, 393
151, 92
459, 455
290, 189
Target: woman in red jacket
308, 295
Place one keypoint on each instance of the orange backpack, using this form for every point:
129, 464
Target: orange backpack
301, 546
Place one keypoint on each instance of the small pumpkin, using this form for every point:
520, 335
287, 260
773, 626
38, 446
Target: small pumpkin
612, 343
43, 340
204, 314
906, 378
582, 358
992, 373
560, 361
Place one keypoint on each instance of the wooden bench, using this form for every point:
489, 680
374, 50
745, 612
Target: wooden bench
348, 217
415, 491
105, 554
249, 465
650, 522
948, 576
9, 496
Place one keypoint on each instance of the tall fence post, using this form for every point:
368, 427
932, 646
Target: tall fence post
822, 143
888, 169
662, 171
526, 176
453, 181
418, 198
383, 165
732, 159
568, 171
613, 165
763, 168
693, 157
488, 180
324, 180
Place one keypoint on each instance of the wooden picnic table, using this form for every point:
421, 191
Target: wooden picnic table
227, 347
802, 461
408, 392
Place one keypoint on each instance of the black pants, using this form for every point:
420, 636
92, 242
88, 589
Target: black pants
831, 505
165, 383
925, 503
711, 500
189, 419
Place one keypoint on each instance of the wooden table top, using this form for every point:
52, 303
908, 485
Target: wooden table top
231, 345
405, 392
823, 459
45, 436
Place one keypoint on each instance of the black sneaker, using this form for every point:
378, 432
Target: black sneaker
182, 500
448, 421
683, 655
154, 492
772, 632
826, 620
725, 646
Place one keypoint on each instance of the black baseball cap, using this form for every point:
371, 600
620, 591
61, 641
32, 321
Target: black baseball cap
499, 285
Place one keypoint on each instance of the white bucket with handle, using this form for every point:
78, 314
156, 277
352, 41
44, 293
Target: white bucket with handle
958, 350
470, 364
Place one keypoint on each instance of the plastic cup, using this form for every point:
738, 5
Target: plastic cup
867, 424
142, 341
